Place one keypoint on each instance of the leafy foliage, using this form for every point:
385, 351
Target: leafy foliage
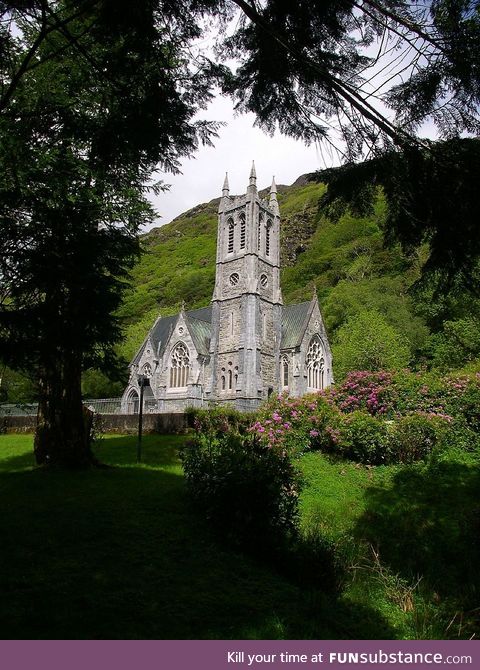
377, 418
248, 490
432, 196
364, 438
368, 342
456, 344
79, 143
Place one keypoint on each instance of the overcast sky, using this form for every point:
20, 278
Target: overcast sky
238, 144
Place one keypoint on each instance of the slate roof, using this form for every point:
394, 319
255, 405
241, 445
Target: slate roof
199, 321
201, 332
294, 319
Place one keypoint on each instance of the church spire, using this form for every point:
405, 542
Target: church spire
273, 197
252, 185
253, 175
225, 188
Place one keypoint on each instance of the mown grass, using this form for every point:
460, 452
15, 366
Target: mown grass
120, 553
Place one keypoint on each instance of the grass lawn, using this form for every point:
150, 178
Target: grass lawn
120, 553
407, 537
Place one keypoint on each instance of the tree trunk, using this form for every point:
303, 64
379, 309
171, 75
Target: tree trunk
63, 434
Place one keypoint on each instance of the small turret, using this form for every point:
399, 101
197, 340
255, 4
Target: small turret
252, 185
225, 188
273, 202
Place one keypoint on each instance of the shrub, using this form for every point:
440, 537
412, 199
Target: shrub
463, 399
216, 421
413, 437
373, 392
298, 424
248, 490
364, 438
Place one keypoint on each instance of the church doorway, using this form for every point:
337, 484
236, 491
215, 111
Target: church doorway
133, 401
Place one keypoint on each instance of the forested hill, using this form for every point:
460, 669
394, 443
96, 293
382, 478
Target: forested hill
364, 288
374, 318
346, 262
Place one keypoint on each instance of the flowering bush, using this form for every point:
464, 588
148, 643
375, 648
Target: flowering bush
375, 417
373, 392
463, 399
394, 394
295, 425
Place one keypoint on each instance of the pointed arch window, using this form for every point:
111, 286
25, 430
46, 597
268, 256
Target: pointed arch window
179, 366
147, 370
243, 231
315, 362
259, 232
285, 371
231, 235
223, 379
267, 237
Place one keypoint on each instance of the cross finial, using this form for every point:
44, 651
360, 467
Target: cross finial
184, 304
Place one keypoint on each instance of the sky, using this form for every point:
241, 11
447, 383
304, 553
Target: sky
239, 143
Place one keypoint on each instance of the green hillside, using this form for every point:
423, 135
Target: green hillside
373, 317
345, 262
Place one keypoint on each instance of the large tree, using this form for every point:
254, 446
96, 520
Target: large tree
361, 77
112, 99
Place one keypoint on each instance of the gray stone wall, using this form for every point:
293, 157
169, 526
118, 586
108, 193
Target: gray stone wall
168, 423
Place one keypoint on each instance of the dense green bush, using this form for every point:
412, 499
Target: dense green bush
216, 421
462, 400
413, 437
364, 439
248, 490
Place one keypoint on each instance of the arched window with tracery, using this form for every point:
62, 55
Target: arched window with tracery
147, 370
243, 231
285, 371
179, 366
231, 235
315, 365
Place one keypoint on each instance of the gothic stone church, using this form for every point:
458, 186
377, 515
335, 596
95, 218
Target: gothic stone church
246, 345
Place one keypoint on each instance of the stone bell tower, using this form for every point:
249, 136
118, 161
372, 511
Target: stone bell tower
247, 300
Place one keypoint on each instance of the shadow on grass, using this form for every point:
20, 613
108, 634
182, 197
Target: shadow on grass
21, 461
118, 553
156, 450
427, 525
